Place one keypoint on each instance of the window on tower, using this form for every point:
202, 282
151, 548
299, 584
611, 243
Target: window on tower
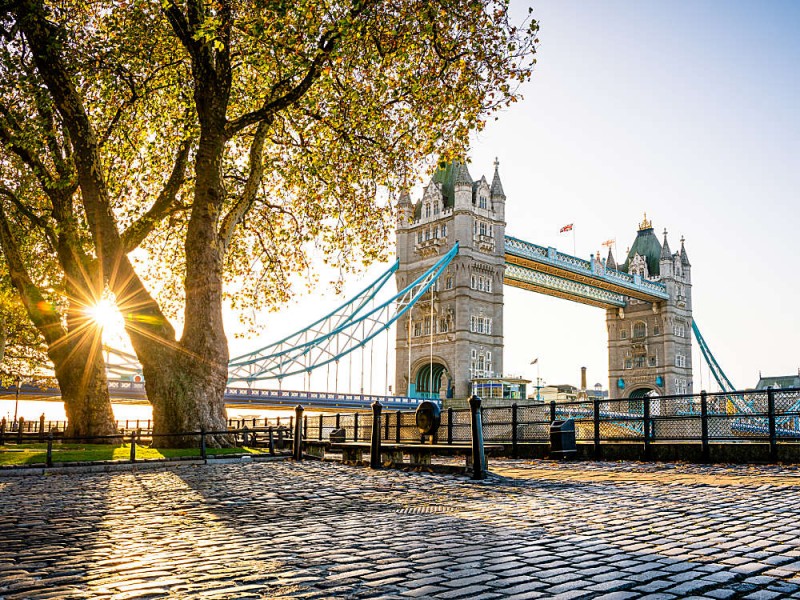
639, 329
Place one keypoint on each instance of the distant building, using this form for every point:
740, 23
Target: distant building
559, 393
781, 381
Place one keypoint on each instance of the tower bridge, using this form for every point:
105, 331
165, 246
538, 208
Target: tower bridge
455, 335
454, 258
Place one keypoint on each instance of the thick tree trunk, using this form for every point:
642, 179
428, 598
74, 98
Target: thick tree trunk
76, 351
187, 395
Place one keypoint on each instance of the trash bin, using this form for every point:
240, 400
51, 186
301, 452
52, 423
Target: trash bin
562, 438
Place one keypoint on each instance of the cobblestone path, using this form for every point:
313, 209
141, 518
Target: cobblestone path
321, 530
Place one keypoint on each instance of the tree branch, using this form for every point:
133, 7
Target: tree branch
138, 231
248, 197
43, 315
37, 220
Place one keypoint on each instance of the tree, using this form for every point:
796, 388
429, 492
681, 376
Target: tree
44, 235
318, 106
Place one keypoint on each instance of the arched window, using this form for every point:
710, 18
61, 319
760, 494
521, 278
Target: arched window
427, 209
639, 329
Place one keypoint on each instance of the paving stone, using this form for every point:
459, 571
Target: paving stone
321, 530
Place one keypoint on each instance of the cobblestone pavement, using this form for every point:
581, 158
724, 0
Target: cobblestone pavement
321, 530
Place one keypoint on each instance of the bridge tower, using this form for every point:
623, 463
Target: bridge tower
650, 345
455, 332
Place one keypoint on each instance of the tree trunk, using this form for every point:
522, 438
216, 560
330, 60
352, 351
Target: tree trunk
186, 384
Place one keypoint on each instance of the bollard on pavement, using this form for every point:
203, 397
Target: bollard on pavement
375, 445
478, 456
297, 447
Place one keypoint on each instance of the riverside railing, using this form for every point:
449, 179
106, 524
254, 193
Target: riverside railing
102, 448
771, 416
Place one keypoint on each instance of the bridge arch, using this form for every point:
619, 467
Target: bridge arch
431, 378
642, 391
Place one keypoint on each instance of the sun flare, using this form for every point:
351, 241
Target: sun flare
107, 317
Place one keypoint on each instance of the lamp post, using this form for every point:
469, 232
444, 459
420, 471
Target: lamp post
535, 361
16, 398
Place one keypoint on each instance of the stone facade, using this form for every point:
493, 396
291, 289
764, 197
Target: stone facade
455, 332
650, 345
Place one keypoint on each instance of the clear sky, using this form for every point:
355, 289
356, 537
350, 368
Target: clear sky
687, 110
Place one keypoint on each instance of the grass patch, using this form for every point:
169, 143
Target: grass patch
31, 454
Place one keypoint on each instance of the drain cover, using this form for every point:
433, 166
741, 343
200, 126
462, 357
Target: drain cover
426, 509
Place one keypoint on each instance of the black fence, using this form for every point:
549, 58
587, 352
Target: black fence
749, 416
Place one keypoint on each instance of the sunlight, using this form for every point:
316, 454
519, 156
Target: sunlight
104, 313
107, 317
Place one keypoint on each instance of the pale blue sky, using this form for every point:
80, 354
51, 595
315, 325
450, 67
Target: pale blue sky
685, 110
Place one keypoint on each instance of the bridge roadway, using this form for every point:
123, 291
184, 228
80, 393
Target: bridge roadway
236, 396
548, 271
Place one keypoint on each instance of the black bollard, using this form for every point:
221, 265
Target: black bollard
49, 462
41, 428
20, 426
297, 450
375, 444
271, 442
478, 457
133, 447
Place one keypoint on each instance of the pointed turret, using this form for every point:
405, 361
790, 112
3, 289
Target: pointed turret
405, 209
462, 175
497, 186
666, 253
462, 186
610, 262
684, 257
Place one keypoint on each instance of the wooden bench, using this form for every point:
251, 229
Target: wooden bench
393, 454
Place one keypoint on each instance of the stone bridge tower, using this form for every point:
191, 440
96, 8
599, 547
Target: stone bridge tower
650, 345
455, 332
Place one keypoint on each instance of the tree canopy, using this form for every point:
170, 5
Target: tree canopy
292, 117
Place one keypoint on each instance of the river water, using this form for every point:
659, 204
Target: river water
53, 410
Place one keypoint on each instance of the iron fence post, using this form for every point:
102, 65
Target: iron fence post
450, 425
133, 447
375, 443
478, 466
386, 426
271, 441
49, 462
773, 432
338, 420
320, 427
297, 447
355, 427
399, 426
514, 423
552, 411
596, 428
41, 428
704, 425
646, 425
20, 425
305, 428
2, 431
203, 444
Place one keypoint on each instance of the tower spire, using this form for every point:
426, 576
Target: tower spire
497, 186
666, 253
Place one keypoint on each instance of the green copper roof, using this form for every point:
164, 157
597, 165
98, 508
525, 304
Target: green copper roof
447, 175
646, 244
